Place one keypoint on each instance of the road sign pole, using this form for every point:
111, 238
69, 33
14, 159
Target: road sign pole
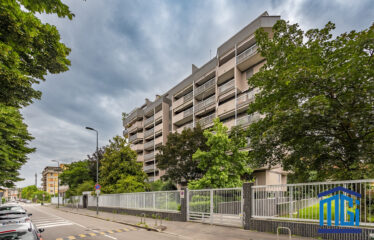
97, 190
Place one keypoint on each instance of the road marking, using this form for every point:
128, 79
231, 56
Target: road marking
110, 231
92, 234
95, 233
119, 230
59, 239
82, 235
126, 230
71, 237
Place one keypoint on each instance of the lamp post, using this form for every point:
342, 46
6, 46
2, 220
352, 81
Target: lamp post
58, 184
97, 165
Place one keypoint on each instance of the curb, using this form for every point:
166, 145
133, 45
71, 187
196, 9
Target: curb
125, 223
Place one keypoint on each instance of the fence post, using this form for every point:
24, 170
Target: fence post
211, 206
187, 201
247, 206
184, 205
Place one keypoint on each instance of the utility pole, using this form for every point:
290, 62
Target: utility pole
36, 180
97, 166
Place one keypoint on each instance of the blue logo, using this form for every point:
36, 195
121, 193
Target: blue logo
339, 207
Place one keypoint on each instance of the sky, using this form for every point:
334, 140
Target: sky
124, 51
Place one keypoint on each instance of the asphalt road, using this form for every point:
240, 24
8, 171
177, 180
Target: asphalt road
60, 225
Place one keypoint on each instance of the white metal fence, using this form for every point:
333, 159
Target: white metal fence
159, 201
216, 206
300, 202
54, 200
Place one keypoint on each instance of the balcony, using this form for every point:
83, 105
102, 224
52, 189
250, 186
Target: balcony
246, 98
158, 115
205, 121
140, 158
229, 124
209, 85
187, 97
205, 104
136, 136
159, 140
227, 108
135, 126
125, 132
188, 112
248, 58
226, 69
137, 147
148, 133
133, 115
149, 156
226, 87
186, 126
151, 179
148, 121
149, 145
248, 119
149, 168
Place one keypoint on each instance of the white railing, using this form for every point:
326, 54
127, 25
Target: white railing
207, 85
160, 201
133, 137
300, 202
246, 97
148, 120
54, 200
247, 53
206, 103
207, 120
229, 85
216, 206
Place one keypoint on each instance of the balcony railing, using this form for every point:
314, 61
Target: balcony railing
188, 112
206, 120
248, 119
187, 97
151, 179
149, 156
209, 84
189, 125
148, 132
133, 137
149, 120
149, 144
227, 86
247, 53
247, 97
207, 102
149, 168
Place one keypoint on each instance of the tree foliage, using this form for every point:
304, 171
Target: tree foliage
176, 155
31, 191
74, 175
14, 140
224, 162
29, 49
317, 96
119, 171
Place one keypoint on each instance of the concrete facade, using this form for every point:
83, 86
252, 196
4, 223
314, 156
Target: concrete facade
219, 88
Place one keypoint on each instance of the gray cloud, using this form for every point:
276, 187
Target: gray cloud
125, 51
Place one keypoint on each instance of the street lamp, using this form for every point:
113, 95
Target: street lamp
97, 165
58, 184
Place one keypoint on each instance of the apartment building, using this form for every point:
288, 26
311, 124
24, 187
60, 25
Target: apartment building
50, 179
219, 88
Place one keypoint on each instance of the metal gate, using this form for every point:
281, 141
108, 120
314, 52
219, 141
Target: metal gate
216, 206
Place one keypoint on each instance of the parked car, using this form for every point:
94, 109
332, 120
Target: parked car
20, 231
13, 212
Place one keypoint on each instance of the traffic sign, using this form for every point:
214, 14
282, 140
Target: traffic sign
97, 186
181, 194
97, 191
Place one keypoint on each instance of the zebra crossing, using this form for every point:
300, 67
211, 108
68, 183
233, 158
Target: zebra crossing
51, 221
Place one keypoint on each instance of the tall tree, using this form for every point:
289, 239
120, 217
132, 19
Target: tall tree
29, 48
119, 171
14, 148
92, 161
176, 155
224, 161
75, 174
317, 96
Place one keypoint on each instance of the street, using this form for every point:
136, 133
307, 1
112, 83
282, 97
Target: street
61, 225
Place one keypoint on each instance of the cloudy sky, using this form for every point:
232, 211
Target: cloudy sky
124, 51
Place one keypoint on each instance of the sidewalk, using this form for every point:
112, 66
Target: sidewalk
187, 230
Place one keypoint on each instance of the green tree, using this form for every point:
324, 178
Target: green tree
119, 171
317, 96
225, 162
14, 140
29, 49
29, 192
88, 185
75, 174
160, 185
176, 155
